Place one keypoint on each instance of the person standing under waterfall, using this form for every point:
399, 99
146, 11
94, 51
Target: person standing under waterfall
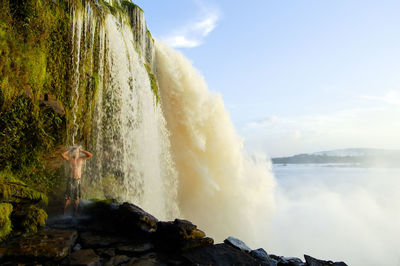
73, 192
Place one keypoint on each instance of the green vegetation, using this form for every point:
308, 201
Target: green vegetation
5, 222
153, 82
16, 191
34, 62
34, 218
34, 66
128, 5
22, 204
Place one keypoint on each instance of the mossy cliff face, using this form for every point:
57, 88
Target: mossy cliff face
48, 89
34, 51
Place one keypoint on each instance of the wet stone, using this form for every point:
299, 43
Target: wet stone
106, 252
85, 257
134, 219
117, 260
262, 256
77, 247
146, 260
288, 261
316, 262
219, 254
194, 243
135, 248
237, 243
90, 240
46, 245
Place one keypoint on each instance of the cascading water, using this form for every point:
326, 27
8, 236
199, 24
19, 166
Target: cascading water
220, 188
129, 140
76, 49
177, 158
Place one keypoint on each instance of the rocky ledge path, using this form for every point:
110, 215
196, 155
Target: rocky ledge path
112, 234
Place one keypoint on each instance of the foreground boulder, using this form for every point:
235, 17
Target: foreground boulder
46, 245
182, 235
237, 243
111, 234
143, 221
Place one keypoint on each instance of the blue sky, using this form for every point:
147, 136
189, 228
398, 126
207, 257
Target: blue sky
296, 76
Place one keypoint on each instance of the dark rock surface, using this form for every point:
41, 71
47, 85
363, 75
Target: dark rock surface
219, 254
237, 243
111, 234
45, 245
315, 262
261, 255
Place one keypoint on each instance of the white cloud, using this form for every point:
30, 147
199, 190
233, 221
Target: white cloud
391, 97
194, 33
181, 41
263, 122
376, 127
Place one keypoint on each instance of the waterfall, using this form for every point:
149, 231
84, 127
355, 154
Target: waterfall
128, 137
179, 157
221, 189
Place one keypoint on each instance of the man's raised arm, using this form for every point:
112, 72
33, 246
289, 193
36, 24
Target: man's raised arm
88, 155
65, 156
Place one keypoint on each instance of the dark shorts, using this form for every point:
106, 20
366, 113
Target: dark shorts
73, 189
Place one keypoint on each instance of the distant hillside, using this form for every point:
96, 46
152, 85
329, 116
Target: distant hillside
359, 157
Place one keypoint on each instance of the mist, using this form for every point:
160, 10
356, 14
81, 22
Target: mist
340, 214
220, 188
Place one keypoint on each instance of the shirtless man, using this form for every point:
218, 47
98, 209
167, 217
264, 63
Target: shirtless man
74, 183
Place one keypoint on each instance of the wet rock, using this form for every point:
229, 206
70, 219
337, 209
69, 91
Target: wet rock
220, 254
100, 216
262, 256
92, 240
194, 243
77, 247
237, 243
180, 235
179, 230
287, 261
62, 222
83, 257
106, 252
150, 259
135, 248
133, 219
46, 245
117, 260
316, 262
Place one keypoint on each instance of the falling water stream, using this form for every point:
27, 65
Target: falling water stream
180, 157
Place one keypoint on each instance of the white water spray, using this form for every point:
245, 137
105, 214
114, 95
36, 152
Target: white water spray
220, 188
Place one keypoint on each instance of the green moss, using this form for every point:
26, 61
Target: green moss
149, 35
16, 191
153, 82
5, 222
112, 9
34, 61
34, 218
128, 5
28, 136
